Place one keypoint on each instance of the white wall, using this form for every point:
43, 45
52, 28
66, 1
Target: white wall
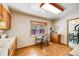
62, 23
20, 27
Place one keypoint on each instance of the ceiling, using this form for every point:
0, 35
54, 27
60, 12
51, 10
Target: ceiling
34, 9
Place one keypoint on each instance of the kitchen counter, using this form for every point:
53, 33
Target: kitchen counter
75, 51
5, 44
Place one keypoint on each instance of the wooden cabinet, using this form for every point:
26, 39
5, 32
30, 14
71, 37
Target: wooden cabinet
12, 49
55, 37
0, 11
5, 18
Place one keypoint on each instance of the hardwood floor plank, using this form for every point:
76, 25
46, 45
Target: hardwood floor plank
53, 50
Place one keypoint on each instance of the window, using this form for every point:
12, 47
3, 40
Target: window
33, 29
41, 29
38, 27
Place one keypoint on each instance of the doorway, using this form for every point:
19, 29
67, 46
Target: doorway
72, 32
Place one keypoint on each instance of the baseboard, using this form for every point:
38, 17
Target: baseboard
35, 44
64, 44
26, 46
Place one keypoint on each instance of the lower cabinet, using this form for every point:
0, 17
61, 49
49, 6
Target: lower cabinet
55, 38
12, 49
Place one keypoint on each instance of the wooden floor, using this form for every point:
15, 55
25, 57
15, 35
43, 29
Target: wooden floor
53, 50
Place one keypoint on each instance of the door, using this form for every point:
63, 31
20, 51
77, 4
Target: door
72, 33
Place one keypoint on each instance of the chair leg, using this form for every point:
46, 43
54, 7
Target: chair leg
40, 45
48, 43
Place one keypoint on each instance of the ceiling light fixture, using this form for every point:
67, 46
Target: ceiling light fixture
52, 7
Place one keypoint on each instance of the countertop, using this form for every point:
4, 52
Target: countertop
75, 51
5, 44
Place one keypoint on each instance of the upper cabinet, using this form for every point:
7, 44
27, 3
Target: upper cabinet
0, 11
5, 18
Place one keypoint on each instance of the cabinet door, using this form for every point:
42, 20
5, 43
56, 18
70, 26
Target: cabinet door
2, 24
0, 14
0, 11
6, 17
56, 38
